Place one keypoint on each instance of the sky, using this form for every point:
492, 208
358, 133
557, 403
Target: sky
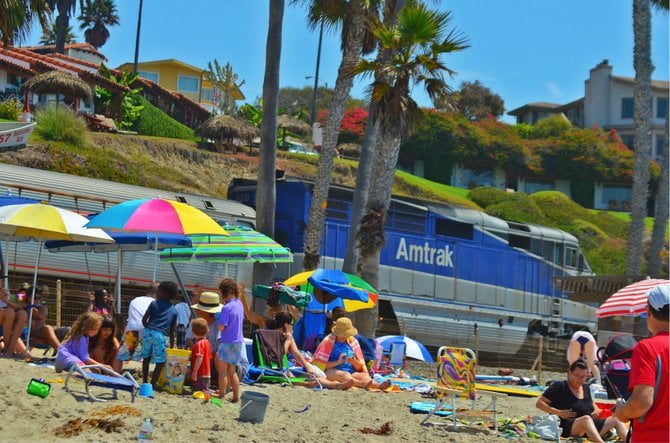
523, 50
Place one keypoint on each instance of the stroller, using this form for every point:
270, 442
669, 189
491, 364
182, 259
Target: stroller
614, 364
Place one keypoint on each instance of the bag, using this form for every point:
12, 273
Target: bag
547, 427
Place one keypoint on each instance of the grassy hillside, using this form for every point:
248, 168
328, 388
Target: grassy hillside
179, 166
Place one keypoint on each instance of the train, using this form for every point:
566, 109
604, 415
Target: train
445, 270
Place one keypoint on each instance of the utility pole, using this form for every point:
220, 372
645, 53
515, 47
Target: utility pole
312, 117
137, 38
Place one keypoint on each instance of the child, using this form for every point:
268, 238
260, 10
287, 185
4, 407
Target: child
99, 302
201, 356
104, 346
159, 323
74, 350
231, 340
183, 320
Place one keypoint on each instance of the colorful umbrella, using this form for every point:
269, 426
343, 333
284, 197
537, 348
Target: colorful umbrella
156, 215
356, 293
413, 348
42, 222
243, 244
4, 201
629, 300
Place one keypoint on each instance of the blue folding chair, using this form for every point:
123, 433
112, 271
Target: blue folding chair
107, 379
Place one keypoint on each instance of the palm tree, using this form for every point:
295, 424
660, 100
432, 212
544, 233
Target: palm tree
266, 194
66, 8
353, 16
95, 17
49, 35
17, 18
642, 98
415, 44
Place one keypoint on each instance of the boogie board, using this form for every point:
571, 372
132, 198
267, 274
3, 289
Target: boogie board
517, 392
424, 407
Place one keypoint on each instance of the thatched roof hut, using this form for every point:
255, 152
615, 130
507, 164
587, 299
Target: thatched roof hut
59, 82
226, 128
294, 125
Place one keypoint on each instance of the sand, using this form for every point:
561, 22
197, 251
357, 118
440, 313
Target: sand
333, 416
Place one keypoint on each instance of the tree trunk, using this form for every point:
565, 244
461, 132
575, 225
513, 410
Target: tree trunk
642, 122
62, 23
661, 212
317, 211
266, 190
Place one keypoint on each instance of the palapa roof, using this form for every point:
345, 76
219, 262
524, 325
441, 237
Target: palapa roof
293, 125
58, 82
221, 127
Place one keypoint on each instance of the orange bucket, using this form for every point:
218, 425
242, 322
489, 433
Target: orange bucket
605, 409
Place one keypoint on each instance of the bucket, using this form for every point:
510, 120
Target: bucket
146, 390
253, 406
174, 372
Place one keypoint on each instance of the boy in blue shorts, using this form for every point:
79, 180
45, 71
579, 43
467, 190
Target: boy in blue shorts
159, 323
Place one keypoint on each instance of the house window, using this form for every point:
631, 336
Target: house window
533, 187
187, 83
153, 76
207, 94
627, 107
661, 107
660, 144
628, 140
616, 198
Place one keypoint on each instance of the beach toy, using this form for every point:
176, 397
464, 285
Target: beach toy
217, 402
254, 405
146, 390
199, 395
39, 388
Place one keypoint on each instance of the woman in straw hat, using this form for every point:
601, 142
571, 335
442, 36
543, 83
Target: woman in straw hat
339, 355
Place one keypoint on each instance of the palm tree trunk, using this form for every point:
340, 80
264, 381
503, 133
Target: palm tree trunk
661, 211
317, 211
642, 121
266, 195
62, 23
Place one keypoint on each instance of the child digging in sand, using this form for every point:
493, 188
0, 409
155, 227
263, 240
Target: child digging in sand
159, 323
201, 356
74, 350
231, 340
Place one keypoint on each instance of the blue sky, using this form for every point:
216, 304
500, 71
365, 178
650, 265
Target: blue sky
524, 50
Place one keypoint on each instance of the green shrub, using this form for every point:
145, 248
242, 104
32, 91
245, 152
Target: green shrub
609, 258
59, 123
589, 235
486, 196
154, 122
519, 210
11, 109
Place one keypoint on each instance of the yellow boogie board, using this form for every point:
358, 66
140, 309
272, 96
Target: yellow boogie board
509, 390
175, 370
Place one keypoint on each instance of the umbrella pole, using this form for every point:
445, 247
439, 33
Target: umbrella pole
32, 296
119, 264
155, 257
183, 290
5, 265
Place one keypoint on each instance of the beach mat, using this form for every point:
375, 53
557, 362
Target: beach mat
517, 392
424, 407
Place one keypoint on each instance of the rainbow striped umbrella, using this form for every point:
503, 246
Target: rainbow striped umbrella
356, 293
156, 215
629, 300
243, 244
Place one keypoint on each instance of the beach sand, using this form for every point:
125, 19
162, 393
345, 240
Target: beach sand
333, 416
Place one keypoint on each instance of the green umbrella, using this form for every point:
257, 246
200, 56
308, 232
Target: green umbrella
242, 245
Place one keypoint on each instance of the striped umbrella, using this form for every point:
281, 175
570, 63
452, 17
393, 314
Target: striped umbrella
629, 300
242, 244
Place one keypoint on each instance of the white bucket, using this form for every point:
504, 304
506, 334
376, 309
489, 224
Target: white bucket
253, 407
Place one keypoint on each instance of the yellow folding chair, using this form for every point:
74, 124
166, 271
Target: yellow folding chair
456, 371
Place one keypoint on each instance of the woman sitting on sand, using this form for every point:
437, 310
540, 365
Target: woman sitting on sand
340, 356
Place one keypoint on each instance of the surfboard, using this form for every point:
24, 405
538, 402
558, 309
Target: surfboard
509, 390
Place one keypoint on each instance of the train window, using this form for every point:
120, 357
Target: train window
519, 241
571, 257
338, 210
208, 204
180, 198
404, 221
452, 228
558, 255
518, 226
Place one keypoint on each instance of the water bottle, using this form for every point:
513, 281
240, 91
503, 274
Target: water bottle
146, 431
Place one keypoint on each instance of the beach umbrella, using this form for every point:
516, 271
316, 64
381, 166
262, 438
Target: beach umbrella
355, 292
629, 300
242, 244
123, 242
5, 201
45, 222
413, 348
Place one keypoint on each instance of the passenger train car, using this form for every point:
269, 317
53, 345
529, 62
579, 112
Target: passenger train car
445, 270
87, 196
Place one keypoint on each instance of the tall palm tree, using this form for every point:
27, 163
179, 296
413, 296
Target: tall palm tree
266, 193
415, 43
642, 98
17, 18
352, 15
49, 35
96, 16
66, 9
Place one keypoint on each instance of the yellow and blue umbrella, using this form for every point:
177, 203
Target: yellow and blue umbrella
356, 293
242, 244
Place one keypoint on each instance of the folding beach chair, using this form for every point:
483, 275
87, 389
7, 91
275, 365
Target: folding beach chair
108, 379
271, 364
456, 371
397, 355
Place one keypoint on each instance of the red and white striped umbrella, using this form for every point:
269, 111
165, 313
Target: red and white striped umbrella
629, 300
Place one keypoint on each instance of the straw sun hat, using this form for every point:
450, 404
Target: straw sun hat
344, 328
209, 302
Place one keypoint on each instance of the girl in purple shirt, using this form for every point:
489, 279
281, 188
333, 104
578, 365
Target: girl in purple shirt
229, 324
74, 350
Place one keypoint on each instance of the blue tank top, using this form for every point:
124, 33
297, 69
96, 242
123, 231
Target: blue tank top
342, 348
